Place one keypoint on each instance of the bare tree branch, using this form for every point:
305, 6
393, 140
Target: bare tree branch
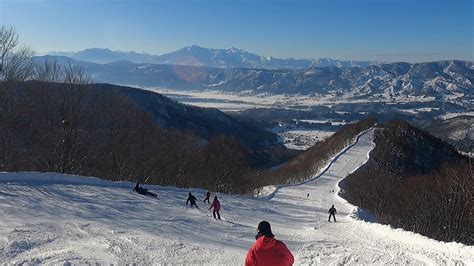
76, 75
15, 64
49, 71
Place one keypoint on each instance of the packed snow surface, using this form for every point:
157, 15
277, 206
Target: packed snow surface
59, 219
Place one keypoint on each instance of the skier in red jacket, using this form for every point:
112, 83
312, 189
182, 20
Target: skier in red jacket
217, 206
267, 250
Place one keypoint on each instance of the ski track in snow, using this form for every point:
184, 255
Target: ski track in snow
57, 219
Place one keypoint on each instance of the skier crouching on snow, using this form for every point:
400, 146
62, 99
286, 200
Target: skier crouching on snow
192, 201
267, 250
217, 206
208, 195
139, 189
332, 212
143, 191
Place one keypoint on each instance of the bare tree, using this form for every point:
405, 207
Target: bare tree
15, 63
8, 41
49, 71
76, 75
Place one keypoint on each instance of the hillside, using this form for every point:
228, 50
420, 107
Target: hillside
309, 162
458, 131
122, 133
203, 122
58, 219
416, 182
206, 123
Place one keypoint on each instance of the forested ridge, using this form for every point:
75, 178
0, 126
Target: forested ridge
417, 182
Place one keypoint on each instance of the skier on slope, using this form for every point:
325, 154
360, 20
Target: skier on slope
267, 250
217, 206
192, 201
208, 195
332, 212
143, 191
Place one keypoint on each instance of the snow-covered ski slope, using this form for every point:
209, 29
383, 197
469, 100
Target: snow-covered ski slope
58, 219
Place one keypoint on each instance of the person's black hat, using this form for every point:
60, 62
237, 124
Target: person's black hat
264, 229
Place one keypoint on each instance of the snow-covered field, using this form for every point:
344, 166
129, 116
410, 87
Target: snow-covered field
313, 121
452, 115
58, 219
230, 101
303, 139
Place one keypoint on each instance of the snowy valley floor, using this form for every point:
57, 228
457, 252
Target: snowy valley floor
57, 219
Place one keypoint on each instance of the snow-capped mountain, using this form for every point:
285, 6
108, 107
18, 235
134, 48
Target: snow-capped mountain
238, 58
442, 80
200, 56
223, 58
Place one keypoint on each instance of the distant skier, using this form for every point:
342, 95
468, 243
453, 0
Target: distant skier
267, 250
332, 212
192, 201
143, 191
307, 195
208, 195
217, 206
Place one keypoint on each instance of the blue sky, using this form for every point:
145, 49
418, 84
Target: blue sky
383, 30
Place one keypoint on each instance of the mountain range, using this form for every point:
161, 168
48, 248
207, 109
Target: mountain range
200, 56
443, 80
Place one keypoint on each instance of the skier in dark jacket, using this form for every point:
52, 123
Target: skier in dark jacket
332, 212
191, 200
217, 206
143, 191
208, 195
